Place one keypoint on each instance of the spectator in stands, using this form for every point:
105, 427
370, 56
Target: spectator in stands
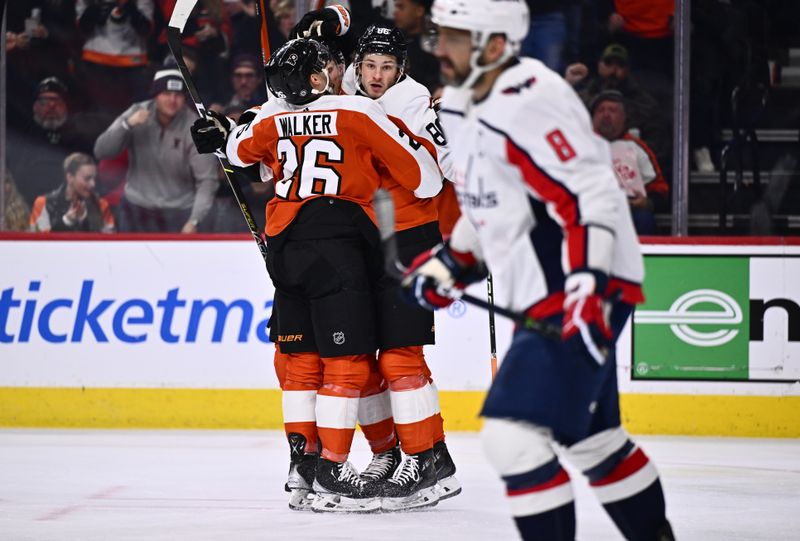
40, 40
114, 59
170, 187
285, 15
247, 78
73, 206
246, 25
645, 28
645, 117
36, 153
635, 165
411, 17
16, 212
208, 31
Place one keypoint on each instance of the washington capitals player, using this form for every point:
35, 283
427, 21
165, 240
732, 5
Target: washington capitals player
542, 210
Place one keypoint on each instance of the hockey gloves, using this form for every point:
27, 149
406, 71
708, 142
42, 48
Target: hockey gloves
434, 274
211, 133
586, 327
326, 23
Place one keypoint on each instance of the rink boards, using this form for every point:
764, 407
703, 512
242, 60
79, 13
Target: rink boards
142, 332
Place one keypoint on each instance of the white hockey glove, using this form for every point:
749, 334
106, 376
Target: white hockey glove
434, 274
586, 327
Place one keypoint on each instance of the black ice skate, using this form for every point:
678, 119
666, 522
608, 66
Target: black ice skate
382, 466
413, 485
302, 467
445, 472
339, 489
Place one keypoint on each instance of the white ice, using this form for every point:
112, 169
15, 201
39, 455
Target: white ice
219, 485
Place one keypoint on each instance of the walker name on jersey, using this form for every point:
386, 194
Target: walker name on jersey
32, 315
298, 124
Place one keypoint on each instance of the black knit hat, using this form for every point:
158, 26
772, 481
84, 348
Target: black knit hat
167, 80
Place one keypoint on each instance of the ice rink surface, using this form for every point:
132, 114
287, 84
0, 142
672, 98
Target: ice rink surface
220, 485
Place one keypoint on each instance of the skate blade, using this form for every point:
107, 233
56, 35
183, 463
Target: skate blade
427, 497
301, 499
334, 503
448, 487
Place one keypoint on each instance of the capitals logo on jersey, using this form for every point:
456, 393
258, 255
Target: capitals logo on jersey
516, 89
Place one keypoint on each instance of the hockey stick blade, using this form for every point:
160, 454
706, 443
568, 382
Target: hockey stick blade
384, 212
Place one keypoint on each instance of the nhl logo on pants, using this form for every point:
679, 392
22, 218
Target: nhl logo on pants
338, 338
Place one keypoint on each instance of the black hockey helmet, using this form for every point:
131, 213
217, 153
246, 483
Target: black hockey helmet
290, 67
333, 49
383, 40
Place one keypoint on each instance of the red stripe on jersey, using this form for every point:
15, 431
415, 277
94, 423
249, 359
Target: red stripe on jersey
630, 292
626, 468
561, 478
555, 193
550, 305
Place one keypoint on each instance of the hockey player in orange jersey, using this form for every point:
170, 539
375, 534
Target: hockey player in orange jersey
379, 73
327, 155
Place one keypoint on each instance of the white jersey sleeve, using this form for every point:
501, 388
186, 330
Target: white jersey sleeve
411, 102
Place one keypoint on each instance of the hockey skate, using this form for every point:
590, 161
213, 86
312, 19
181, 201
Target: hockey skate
382, 466
302, 467
445, 472
413, 485
339, 489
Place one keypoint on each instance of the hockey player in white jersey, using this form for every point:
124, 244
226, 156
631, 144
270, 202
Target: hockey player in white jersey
543, 211
378, 72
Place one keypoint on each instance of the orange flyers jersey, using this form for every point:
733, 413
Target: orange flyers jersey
408, 105
335, 146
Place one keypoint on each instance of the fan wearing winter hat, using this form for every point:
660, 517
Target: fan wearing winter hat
170, 186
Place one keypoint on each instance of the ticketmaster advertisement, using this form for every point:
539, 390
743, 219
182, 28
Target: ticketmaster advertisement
168, 314
719, 317
193, 314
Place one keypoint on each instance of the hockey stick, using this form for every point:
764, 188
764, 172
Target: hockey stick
492, 334
384, 212
183, 8
261, 11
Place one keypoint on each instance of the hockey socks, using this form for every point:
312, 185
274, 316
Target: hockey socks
631, 494
542, 503
375, 414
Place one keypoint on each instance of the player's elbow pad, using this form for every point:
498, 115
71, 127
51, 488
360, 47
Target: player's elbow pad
464, 239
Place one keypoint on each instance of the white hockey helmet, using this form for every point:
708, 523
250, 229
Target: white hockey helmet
482, 18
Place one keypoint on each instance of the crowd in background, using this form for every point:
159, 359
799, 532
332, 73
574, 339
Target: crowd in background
97, 116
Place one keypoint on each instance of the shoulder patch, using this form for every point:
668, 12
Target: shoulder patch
516, 89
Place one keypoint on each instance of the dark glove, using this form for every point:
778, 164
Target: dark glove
586, 326
321, 23
433, 274
211, 133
